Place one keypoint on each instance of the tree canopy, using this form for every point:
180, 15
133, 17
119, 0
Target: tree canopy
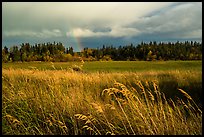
56, 52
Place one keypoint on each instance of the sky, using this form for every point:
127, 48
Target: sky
94, 24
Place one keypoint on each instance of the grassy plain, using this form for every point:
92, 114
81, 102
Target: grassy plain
141, 98
111, 66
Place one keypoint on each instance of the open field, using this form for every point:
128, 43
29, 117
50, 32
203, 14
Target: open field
104, 98
112, 66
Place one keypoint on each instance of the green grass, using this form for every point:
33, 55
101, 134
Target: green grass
113, 66
39, 65
141, 66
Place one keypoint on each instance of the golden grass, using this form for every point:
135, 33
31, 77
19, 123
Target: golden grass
76, 103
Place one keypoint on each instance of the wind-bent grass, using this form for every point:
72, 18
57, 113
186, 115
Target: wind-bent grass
77, 103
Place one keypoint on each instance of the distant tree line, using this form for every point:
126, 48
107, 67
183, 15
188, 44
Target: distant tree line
56, 52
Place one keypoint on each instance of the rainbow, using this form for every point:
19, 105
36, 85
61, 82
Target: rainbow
76, 42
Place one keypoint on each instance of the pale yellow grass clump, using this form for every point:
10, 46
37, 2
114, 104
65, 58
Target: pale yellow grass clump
76, 103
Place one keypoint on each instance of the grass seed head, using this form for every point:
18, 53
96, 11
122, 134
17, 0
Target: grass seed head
97, 107
185, 94
151, 97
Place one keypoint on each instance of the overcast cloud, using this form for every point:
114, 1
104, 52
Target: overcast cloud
48, 22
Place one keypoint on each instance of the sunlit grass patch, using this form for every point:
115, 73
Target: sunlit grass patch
69, 102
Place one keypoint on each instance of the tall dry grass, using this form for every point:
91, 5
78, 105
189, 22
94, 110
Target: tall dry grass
75, 103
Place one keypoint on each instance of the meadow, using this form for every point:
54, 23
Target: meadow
116, 98
110, 66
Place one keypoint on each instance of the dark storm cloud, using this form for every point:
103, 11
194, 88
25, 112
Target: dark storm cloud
181, 21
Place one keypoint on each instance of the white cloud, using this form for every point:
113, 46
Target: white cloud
78, 32
72, 15
48, 20
124, 32
29, 33
50, 33
114, 32
19, 33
